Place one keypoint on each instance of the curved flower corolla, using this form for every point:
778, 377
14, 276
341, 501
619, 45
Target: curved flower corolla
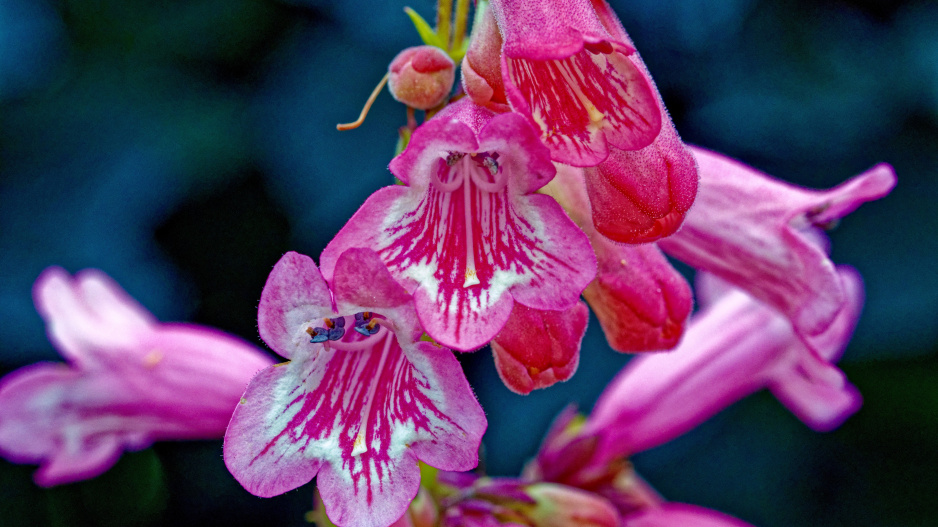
130, 381
595, 104
681, 515
641, 301
537, 349
762, 234
361, 400
466, 234
733, 347
568, 76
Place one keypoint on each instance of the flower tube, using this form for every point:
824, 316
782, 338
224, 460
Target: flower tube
129, 381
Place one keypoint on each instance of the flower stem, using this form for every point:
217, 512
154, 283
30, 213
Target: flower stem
462, 20
444, 15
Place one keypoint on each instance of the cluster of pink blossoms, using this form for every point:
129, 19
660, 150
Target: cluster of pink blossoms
555, 176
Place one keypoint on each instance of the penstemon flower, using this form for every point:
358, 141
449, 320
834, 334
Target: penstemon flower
735, 346
361, 399
765, 235
466, 234
129, 381
570, 68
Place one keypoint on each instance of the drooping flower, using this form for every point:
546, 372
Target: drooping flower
361, 400
733, 347
569, 67
562, 70
763, 235
641, 301
129, 381
538, 348
466, 234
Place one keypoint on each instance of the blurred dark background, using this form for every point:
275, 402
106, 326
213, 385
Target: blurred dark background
183, 146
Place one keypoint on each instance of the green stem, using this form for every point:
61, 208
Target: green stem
462, 19
444, 15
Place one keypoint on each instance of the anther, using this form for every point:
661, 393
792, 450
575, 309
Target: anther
318, 334
453, 157
490, 164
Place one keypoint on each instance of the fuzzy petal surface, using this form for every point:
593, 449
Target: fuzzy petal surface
467, 239
759, 234
360, 420
643, 195
537, 349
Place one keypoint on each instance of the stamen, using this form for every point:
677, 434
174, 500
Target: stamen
371, 100
318, 335
481, 180
449, 186
453, 157
358, 345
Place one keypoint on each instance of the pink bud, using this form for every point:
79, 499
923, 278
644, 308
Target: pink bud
421, 77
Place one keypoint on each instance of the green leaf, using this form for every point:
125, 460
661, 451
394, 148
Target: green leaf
427, 34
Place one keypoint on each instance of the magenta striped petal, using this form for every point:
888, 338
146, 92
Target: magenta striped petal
577, 83
585, 103
363, 417
467, 236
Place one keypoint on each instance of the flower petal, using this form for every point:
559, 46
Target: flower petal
368, 415
641, 196
731, 349
576, 83
681, 515
88, 316
641, 301
294, 297
363, 283
538, 348
759, 234
466, 251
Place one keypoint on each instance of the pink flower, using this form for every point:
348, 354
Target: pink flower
361, 399
563, 71
570, 68
681, 515
762, 234
130, 381
537, 348
466, 233
735, 346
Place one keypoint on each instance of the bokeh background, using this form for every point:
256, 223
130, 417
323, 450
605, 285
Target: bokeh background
183, 146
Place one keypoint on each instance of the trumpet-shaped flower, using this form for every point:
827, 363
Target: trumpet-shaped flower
563, 71
130, 381
361, 400
569, 66
735, 346
762, 234
538, 348
466, 234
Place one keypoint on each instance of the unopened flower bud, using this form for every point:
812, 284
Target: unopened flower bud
421, 77
560, 506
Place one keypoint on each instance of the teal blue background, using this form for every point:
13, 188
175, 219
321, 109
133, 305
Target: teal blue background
183, 146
